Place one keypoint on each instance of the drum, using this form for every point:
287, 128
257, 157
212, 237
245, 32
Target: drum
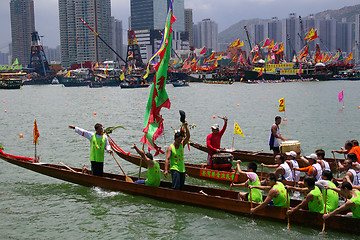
222, 161
288, 146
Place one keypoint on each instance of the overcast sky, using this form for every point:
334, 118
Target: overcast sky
224, 12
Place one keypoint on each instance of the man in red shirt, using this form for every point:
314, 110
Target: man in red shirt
213, 141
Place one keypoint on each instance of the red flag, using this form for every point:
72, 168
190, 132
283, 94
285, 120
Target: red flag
260, 73
36, 133
203, 50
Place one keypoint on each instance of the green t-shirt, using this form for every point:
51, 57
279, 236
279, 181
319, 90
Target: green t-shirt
154, 175
356, 210
317, 204
177, 158
281, 200
256, 193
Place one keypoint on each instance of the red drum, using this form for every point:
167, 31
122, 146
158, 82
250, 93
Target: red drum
222, 161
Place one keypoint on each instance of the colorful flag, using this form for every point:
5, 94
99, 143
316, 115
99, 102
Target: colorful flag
203, 51
266, 43
36, 133
281, 49
315, 36
271, 45
131, 54
122, 76
237, 130
341, 96
236, 43
310, 34
158, 98
67, 74
260, 73
275, 48
212, 57
300, 70
350, 57
282, 105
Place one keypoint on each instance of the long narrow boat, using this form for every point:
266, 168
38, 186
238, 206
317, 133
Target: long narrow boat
193, 195
259, 157
193, 170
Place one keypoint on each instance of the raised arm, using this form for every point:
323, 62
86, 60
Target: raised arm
148, 161
187, 134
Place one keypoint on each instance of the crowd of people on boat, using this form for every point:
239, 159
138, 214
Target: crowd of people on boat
321, 188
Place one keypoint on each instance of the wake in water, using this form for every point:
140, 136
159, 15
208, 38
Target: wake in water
103, 193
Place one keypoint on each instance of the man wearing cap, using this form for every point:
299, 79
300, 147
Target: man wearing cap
314, 168
275, 136
293, 164
213, 141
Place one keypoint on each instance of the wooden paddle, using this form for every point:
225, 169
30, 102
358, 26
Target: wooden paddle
234, 177
141, 162
323, 229
253, 153
67, 166
337, 165
261, 176
294, 178
251, 204
287, 208
127, 179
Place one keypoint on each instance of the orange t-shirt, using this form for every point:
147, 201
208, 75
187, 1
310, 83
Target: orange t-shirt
356, 150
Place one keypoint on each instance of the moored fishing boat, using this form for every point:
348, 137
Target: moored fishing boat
134, 81
258, 156
180, 83
11, 80
194, 195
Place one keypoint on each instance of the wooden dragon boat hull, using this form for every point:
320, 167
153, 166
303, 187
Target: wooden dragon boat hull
259, 157
194, 195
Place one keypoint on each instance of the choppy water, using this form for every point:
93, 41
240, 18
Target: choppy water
35, 206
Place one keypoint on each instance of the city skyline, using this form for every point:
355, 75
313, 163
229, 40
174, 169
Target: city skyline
225, 13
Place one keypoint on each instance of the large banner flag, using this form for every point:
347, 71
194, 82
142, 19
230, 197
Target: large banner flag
310, 34
281, 49
36, 133
350, 57
203, 51
237, 130
282, 105
158, 98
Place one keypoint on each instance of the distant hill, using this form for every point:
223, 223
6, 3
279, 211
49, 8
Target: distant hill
237, 30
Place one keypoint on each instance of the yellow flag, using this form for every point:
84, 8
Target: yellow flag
122, 76
237, 130
310, 34
282, 105
175, 62
350, 57
68, 74
241, 44
219, 58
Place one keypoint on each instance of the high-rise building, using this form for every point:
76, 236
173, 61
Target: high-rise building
78, 43
344, 36
148, 18
22, 25
206, 34
357, 39
117, 37
290, 38
327, 33
188, 18
274, 30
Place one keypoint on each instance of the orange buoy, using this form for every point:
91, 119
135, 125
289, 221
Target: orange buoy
261, 98
359, 107
104, 97
5, 110
174, 97
65, 102
306, 93
3, 101
343, 107
285, 119
21, 136
94, 113
237, 104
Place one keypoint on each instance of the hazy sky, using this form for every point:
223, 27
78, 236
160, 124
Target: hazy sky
224, 12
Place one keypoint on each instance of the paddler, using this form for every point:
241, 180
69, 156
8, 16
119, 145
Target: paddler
213, 141
253, 180
275, 136
321, 159
332, 197
276, 196
154, 172
175, 156
353, 201
313, 200
283, 168
98, 144
314, 168
349, 148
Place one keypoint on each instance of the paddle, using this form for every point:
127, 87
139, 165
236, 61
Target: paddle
67, 166
233, 178
287, 208
251, 204
323, 229
262, 169
294, 178
253, 153
221, 117
337, 165
141, 162
127, 179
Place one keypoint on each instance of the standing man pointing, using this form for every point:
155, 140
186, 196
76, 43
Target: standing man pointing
98, 144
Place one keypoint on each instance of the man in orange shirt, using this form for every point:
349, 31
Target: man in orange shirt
350, 148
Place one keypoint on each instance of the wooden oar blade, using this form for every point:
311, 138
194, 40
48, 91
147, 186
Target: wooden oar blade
128, 179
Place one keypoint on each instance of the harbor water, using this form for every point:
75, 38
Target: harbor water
34, 206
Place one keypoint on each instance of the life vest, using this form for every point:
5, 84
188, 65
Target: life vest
332, 198
281, 199
256, 193
177, 158
97, 147
356, 210
154, 175
317, 204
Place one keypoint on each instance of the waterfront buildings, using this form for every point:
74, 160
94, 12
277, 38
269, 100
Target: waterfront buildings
78, 43
117, 38
22, 25
188, 19
206, 34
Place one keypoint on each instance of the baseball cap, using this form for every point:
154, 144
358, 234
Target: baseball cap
215, 126
312, 156
291, 153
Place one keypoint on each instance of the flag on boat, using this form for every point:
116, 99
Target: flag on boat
281, 49
158, 98
310, 34
350, 57
67, 74
315, 36
237, 130
300, 70
212, 57
260, 73
36, 133
282, 105
266, 43
275, 48
236, 43
122, 76
341, 96
203, 51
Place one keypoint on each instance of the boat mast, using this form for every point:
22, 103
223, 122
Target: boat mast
247, 34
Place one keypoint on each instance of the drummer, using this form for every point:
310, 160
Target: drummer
213, 141
275, 136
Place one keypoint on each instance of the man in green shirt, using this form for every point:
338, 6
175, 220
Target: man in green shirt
175, 156
154, 173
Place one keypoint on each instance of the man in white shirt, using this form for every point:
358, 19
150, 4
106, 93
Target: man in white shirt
98, 144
